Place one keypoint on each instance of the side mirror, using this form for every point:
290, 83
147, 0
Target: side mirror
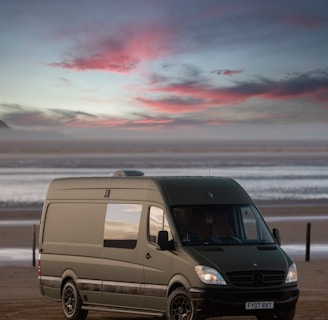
163, 240
276, 235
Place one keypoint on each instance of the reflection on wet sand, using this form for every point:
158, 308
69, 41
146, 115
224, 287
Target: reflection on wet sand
23, 256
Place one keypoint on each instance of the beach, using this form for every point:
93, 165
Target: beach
20, 297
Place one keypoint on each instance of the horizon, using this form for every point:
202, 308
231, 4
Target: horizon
294, 148
254, 132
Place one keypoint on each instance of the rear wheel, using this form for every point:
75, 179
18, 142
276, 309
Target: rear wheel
180, 306
72, 302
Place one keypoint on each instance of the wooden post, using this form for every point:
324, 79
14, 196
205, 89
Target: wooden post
33, 245
308, 241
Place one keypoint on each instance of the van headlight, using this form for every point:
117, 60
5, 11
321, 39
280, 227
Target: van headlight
292, 274
209, 275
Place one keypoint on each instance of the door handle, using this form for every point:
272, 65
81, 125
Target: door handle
148, 256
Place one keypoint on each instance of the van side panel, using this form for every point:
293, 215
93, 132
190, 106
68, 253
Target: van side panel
79, 223
71, 243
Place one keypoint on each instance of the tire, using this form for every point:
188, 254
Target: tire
179, 306
72, 302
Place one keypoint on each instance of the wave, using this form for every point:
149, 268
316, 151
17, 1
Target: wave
27, 186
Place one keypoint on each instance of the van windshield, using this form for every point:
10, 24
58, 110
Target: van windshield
200, 225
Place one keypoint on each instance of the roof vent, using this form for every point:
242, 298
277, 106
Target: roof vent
127, 173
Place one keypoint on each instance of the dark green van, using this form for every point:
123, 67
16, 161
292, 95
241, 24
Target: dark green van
179, 247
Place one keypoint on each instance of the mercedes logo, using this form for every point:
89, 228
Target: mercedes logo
258, 278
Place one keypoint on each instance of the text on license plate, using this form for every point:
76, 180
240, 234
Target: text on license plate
258, 305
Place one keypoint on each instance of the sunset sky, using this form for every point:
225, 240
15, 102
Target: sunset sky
165, 69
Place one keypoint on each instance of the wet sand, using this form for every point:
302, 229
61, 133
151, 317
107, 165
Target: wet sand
20, 297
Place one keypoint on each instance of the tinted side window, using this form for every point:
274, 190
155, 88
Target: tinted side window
122, 225
250, 223
157, 222
254, 228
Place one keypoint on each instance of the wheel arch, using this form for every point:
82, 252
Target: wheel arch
68, 275
177, 281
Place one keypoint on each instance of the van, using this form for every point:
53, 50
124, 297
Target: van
175, 247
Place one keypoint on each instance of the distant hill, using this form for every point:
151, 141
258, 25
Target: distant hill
3, 125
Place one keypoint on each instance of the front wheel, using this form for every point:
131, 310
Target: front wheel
179, 306
72, 302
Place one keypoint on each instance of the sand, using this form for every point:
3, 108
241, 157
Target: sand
20, 297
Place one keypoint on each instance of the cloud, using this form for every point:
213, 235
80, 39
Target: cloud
28, 118
168, 121
190, 96
122, 53
102, 62
59, 120
299, 97
312, 85
145, 120
70, 114
174, 104
226, 72
22, 116
203, 95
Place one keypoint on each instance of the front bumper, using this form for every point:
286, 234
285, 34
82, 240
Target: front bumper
231, 301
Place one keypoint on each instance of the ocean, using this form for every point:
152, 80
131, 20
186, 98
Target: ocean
270, 178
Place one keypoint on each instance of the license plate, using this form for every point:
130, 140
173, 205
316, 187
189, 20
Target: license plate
259, 305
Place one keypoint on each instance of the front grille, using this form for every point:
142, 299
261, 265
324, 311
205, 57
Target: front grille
256, 278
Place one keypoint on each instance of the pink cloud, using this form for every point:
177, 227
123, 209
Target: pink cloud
147, 121
206, 95
122, 54
194, 96
103, 62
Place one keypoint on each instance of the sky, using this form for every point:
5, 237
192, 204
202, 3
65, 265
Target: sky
165, 69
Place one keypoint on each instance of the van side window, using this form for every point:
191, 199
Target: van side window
250, 224
157, 222
122, 225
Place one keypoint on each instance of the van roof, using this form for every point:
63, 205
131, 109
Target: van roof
177, 190
208, 189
